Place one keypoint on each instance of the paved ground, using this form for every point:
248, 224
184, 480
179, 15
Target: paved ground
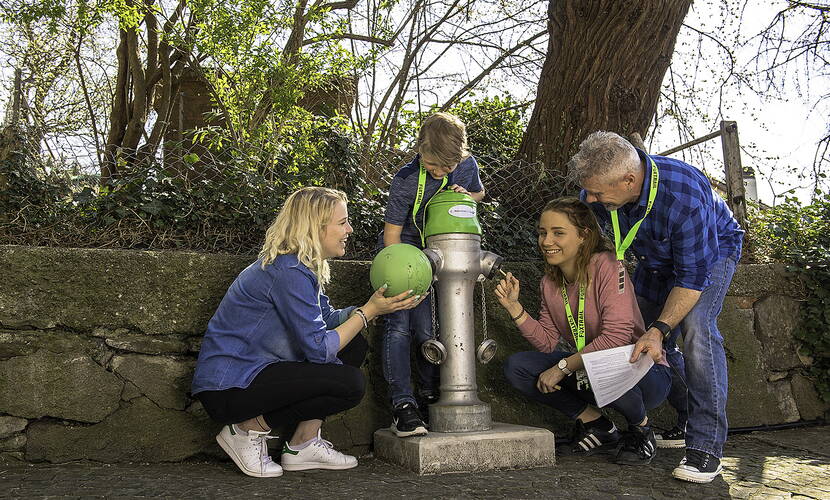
782, 464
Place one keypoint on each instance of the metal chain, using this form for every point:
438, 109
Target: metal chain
483, 310
432, 308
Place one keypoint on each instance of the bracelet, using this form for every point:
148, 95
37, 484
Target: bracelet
519, 315
362, 315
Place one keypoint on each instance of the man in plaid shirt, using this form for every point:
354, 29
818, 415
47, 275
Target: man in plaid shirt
687, 245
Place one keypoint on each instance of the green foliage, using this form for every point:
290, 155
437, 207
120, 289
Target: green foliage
211, 199
800, 236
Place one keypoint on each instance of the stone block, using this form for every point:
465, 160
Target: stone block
144, 344
149, 292
166, 381
138, 432
748, 391
809, 403
505, 446
776, 317
757, 280
67, 385
25, 342
13, 443
11, 425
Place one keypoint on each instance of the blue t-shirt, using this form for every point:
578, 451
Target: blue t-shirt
688, 229
404, 187
267, 316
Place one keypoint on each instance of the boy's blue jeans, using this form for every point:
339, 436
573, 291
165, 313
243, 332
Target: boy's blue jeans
522, 370
702, 364
404, 332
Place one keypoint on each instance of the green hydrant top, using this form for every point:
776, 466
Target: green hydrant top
451, 212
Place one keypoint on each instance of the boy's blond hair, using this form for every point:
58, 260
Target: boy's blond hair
298, 229
443, 137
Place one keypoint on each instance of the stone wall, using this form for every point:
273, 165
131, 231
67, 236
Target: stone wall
97, 348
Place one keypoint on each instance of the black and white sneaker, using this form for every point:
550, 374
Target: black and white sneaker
637, 446
674, 438
423, 404
698, 467
589, 440
406, 421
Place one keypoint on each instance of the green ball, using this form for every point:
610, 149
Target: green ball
403, 267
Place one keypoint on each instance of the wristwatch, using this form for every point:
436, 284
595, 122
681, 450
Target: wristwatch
563, 365
664, 328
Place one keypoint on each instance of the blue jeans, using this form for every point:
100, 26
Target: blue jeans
401, 330
702, 408
523, 369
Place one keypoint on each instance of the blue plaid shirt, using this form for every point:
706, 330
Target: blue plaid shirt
688, 230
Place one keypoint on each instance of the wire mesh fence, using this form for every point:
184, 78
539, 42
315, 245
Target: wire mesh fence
190, 196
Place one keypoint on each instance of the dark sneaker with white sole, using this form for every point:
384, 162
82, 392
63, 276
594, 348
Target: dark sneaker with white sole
637, 446
406, 421
589, 440
674, 438
698, 467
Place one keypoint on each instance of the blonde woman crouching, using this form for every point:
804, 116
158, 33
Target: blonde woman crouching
276, 352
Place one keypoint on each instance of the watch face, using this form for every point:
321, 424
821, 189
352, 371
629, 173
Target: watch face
563, 363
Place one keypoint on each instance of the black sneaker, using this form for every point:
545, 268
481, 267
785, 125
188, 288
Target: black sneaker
406, 421
637, 446
423, 404
698, 467
588, 440
674, 438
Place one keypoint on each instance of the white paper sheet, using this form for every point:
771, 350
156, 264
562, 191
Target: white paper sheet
611, 374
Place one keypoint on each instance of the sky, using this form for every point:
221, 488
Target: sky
779, 133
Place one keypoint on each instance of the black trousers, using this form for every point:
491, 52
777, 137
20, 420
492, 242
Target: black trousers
290, 392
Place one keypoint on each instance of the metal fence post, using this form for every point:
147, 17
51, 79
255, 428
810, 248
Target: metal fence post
735, 195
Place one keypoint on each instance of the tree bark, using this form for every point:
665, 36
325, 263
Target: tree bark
605, 64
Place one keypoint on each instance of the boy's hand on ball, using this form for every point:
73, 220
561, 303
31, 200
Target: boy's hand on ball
458, 189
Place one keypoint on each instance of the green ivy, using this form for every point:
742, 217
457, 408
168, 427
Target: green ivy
800, 236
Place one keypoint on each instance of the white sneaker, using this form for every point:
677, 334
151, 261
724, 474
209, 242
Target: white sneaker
249, 451
319, 454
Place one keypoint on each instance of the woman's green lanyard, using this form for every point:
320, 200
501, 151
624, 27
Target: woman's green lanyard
622, 245
577, 327
419, 196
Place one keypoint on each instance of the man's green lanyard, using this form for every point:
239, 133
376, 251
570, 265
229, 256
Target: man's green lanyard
419, 196
621, 245
577, 327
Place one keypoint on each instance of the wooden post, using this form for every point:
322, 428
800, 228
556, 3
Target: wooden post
735, 195
635, 139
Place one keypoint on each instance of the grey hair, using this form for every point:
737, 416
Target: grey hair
602, 154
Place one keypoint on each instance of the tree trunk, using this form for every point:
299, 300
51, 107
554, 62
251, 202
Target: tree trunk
605, 64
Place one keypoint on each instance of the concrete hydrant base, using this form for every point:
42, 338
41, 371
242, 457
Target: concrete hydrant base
505, 446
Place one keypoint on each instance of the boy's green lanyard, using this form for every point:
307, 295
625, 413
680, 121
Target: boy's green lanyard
578, 327
419, 196
622, 246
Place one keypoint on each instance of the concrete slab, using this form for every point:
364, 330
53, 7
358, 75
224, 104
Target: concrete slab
505, 446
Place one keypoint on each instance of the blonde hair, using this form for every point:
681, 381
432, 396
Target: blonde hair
298, 229
444, 137
581, 216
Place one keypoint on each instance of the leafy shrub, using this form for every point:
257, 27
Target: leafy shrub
800, 236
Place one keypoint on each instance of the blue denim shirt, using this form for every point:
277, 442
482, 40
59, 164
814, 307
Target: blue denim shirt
689, 229
267, 316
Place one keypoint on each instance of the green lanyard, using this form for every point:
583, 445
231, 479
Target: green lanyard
621, 247
577, 327
419, 197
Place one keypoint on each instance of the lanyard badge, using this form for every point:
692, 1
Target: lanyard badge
578, 326
620, 244
419, 197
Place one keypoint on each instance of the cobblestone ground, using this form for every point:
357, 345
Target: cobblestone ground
784, 464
